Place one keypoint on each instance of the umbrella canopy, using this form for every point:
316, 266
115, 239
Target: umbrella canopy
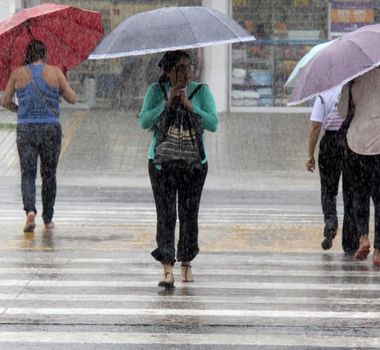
170, 28
304, 60
69, 33
345, 59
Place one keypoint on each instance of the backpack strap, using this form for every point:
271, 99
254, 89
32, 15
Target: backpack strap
163, 91
195, 91
350, 113
324, 106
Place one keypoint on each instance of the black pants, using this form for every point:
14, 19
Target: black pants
365, 172
42, 140
188, 182
332, 161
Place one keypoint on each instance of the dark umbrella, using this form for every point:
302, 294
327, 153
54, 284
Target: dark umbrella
69, 33
170, 28
343, 60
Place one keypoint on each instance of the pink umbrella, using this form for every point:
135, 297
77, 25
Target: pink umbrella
345, 59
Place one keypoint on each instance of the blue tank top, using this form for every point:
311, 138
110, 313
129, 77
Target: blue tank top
34, 108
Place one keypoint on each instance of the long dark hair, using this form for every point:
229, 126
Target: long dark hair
35, 51
169, 60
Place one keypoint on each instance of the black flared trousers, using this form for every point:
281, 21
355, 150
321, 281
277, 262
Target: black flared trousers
44, 141
365, 171
170, 181
333, 162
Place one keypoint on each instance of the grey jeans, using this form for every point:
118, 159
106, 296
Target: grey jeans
43, 140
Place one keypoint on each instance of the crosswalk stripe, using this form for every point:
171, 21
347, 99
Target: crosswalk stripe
191, 312
185, 338
198, 285
300, 260
200, 272
305, 301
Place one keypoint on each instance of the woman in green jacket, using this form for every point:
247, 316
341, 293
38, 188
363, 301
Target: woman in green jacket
177, 176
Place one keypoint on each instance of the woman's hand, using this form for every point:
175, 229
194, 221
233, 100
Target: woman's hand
175, 93
310, 164
186, 102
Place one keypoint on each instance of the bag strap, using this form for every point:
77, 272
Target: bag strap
351, 109
351, 105
163, 91
195, 91
47, 103
324, 105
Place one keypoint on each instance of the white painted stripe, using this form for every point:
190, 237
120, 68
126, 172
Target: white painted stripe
192, 312
198, 285
191, 339
128, 220
199, 272
190, 299
143, 257
127, 208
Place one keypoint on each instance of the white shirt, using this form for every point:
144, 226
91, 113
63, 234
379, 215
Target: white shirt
325, 109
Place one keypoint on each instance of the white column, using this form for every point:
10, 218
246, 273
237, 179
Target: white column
14, 6
6, 8
216, 62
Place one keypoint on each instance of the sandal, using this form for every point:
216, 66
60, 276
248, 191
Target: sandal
30, 224
165, 283
185, 268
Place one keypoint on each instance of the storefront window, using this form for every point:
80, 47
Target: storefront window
285, 30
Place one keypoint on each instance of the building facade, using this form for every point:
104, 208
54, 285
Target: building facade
243, 77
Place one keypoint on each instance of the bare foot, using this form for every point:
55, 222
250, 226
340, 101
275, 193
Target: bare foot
50, 225
30, 223
363, 250
187, 275
376, 257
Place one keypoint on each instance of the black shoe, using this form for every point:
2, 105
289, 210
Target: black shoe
327, 242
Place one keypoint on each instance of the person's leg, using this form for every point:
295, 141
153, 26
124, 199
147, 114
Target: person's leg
361, 179
329, 162
350, 238
49, 149
189, 196
376, 202
28, 154
164, 192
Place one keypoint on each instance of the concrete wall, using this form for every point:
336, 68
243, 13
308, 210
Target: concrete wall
216, 62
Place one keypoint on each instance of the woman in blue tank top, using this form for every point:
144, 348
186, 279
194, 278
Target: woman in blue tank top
38, 87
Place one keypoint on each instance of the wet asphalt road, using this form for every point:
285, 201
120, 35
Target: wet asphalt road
261, 279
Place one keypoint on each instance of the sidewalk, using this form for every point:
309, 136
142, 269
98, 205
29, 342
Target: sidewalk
248, 151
